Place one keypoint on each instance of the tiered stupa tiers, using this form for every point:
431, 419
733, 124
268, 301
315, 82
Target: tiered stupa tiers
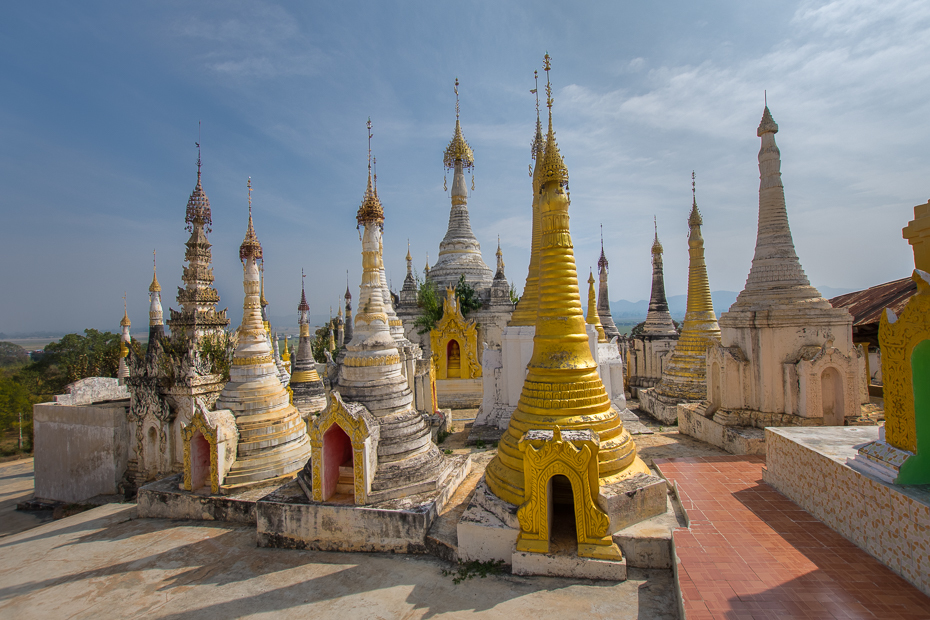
123, 370
273, 440
198, 316
684, 378
460, 252
603, 297
371, 374
776, 277
658, 320
309, 393
562, 389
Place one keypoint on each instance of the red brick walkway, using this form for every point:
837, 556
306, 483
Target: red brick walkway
750, 552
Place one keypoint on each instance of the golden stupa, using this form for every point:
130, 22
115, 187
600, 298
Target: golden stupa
562, 391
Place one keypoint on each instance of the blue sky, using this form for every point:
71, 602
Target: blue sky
100, 104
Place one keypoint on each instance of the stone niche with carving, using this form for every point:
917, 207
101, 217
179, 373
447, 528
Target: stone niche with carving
454, 343
210, 440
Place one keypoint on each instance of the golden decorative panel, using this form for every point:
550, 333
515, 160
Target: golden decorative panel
359, 426
253, 360
198, 423
547, 454
453, 327
382, 360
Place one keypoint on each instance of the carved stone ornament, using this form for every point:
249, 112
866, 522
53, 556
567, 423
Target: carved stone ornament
453, 326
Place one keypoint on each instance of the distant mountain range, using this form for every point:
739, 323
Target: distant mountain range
677, 304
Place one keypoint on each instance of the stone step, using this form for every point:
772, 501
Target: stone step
346, 471
345, 488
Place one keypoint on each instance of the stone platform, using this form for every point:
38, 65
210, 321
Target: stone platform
287, 519
890, 522
663, 410
459, 393
733, 439
163, 499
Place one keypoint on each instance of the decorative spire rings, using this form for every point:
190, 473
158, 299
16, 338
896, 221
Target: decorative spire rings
553, 166
250, 247
370, 210
458, 150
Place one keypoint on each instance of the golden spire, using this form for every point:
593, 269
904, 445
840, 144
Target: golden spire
155, 287
409, 258
286, 355
458, 151
525, 312
593, 318
370, 209
250, 247
562, 388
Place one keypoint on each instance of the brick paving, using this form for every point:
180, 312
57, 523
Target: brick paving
750, 552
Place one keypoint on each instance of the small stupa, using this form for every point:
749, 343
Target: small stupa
123, 371
156, 315
603, 296
273, 442
685, 376
652, 346
306, 385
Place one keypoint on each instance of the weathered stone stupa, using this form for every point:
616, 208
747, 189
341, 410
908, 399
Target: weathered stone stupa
593, 318
156, 316
685, 376
654, 344
786, 356
603, 296
308, 389
564, 412
123, 370
273, 442
198, 316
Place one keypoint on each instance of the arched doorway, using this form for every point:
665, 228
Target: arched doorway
338, 472
563, 531
151, 452
831, 397
200, 461
453, 360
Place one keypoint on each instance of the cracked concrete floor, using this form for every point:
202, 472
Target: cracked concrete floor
105, 563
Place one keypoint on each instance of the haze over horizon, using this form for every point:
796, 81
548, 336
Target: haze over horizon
102, 102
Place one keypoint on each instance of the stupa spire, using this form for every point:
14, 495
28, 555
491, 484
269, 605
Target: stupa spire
658, 318
593, 318
684, 376
156, 316
123, 370
603, 296
562, 389
306, 386
459, 251
776, 277
525, 312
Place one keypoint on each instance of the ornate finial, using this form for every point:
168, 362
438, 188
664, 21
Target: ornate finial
535, 91
695, 218
370, 211
198, 205
250, 247
155, 286
458, 150
198, 150
409, 258
767, 124
125, 320
553, 167
656, 246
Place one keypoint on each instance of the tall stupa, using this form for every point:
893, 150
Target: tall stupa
603, 296
459, 251
562, 387
685, 376
273, 442
198, 316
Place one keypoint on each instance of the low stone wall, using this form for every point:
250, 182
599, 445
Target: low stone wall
733, 439
80, 450
890, 522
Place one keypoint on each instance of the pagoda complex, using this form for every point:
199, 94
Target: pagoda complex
306, 385
786, 356
565, 454
198, 316
460, 258
685, 376
650, 348
273, 442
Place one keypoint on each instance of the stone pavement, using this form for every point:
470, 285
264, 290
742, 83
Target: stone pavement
104, 563
16, 485
750, 552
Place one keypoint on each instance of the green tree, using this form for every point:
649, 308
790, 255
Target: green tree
12, 355
514, 298
430, 302
15, 399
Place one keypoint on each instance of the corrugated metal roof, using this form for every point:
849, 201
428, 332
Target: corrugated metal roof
867, 306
